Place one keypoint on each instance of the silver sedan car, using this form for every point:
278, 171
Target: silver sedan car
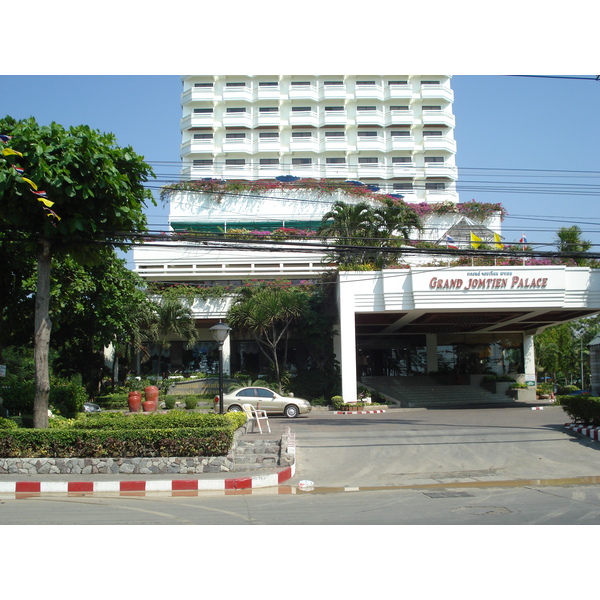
264, 399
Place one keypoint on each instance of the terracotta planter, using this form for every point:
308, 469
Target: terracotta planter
150, 405
134, 400
151, 393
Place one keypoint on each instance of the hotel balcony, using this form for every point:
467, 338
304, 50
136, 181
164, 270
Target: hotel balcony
267, 120
331, 92
197, 147
370, 117
238, 145
439, 144
404, 170
438, 117
200, 94
333, 117
237, 120
267, 145
401, 143
398, 92
375, 143
400, 117
308, 118
238, 93
310, 144
441, 170
197, 120
303, 92
268, 92
369, 91
430, 92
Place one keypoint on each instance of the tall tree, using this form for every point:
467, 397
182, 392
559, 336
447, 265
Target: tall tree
568, 239
62, 191
171, 316
362, 232
267, 313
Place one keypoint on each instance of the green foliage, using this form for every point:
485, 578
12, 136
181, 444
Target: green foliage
338, 402
119, 443
67, 397
155, 420
313, 383
18, 394
115, 401
582, 409
500, 378
7, 424
170, 402
191, 402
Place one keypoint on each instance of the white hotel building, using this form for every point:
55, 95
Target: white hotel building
392, 132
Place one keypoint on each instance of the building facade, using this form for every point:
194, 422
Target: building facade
393, 135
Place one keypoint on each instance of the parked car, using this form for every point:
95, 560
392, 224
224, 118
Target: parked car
265, 399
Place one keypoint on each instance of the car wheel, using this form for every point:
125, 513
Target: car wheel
291, 411
234, 408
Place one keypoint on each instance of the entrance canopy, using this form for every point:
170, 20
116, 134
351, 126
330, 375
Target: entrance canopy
438, 304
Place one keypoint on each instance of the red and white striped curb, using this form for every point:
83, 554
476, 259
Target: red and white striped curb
175, 486
357, 412
142, 486
592, 432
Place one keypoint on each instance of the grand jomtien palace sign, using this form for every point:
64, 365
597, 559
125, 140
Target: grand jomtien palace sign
489, 280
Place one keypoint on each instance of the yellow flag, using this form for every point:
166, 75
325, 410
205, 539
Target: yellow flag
29, 182
9, 151
475, 241
45, 202
498, 241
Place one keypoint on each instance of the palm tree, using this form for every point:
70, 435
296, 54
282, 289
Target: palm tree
172, 316
568, 239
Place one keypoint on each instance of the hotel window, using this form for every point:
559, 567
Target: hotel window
203, 85
399, 107
399, 82
333, 83
267, 83
235, 84
365, 83
269, 161
301, 161
235, 136
268, 109
366, 108
430, 82
236, 110
235, 161
434, 159
435, 185
300, 108
203, 162
335, 161
268, 134
300, 82
203, 136
401, 159
405, 185
301, 134
335, 134
367, 160
427, 133
334, 108
400, 133
203, 111
432, 108
367, 134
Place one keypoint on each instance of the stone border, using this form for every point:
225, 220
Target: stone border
125, 466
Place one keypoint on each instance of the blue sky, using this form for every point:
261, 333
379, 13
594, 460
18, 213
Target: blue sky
536, 134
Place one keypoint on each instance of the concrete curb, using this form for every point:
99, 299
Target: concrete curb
357, 412
592, 432
175, 486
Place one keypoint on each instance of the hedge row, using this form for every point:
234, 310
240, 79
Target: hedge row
582, 409
168, 420
122, 443
118, 401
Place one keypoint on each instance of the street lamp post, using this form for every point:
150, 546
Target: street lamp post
220, 331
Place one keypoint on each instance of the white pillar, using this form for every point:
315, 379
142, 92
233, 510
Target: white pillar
529, 357
347, 345
227, 357
432, 355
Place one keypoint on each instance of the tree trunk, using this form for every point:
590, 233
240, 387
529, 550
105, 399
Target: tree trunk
43, 326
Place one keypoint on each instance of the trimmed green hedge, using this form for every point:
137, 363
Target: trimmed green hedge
582, 409
115, 435
121, 443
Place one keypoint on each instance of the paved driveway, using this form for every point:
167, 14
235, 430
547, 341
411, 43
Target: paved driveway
418, 446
